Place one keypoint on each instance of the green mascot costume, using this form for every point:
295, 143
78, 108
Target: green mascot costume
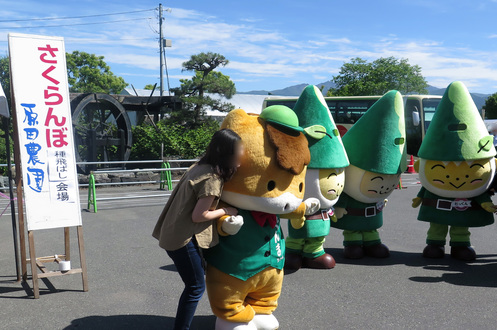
324, 180
376, 148
456, 168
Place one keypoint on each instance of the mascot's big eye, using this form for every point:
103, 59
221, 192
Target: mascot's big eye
271, 185
301, 186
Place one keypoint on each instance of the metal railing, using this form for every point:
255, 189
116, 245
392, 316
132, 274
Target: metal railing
165, 178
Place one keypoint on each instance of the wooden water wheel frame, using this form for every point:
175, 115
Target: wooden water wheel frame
101, 128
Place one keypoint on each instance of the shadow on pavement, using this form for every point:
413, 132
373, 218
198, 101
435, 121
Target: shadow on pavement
479, 273
171, 268
137, 322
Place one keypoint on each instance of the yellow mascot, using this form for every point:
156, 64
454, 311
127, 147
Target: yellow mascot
245, 270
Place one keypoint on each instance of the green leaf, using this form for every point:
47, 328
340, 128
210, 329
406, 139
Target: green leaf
486, 143
316, 131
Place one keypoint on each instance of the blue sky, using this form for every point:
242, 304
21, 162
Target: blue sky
274, 44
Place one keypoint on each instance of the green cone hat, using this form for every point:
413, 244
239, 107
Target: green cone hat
325, 144
377, 141
457, 131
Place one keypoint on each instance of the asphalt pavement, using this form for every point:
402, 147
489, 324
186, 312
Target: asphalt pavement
133, 283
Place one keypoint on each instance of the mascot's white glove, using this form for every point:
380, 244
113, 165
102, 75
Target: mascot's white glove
312, 205
232, 224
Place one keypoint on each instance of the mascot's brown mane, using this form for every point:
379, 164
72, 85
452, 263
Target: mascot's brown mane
292, 151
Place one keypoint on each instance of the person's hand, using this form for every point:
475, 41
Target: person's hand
230, 210
231, 225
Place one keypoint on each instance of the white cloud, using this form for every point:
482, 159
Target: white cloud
256, 52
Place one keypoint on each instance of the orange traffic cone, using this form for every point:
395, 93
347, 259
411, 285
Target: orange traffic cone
410, 167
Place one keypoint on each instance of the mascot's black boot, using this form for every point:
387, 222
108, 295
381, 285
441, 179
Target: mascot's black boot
433, 251
353, 252
464, 253
377, 251
293, 261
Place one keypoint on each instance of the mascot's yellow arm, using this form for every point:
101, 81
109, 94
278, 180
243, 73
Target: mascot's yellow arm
489, 207
297, 217
219, 223
416, 201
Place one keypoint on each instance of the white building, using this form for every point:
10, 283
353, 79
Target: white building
251, 103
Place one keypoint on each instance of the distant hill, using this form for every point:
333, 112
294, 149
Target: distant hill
295, 90
478, 98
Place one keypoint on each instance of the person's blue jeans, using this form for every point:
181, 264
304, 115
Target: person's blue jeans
188, 262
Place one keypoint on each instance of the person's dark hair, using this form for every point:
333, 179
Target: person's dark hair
222, 152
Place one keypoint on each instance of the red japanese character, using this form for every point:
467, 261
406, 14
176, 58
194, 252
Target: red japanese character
46, 76
49, 95
58, 136
42, 58
56, 121
49, 49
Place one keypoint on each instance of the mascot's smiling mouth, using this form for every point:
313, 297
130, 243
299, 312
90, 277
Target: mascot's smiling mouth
380, 192
457, 187
332, 191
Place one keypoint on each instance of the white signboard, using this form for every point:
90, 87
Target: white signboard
41, 94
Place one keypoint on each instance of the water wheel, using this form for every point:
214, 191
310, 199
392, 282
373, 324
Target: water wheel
102, 130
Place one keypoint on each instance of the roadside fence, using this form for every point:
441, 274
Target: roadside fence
164, 180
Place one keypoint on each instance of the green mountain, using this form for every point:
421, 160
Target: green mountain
296, 90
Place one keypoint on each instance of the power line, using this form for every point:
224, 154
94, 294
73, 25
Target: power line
73, 17
100, 40
106, 40
74, 24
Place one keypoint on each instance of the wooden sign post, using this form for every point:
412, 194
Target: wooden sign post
44, 151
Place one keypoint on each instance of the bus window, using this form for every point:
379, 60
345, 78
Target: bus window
349, 111
332, 105
429, 107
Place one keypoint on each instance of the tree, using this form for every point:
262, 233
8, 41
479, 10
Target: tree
5, 76
491, 107
359, 77
205, 80
5, 82
88, 73
149, 87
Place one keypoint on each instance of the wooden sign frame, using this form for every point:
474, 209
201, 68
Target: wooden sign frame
47, 81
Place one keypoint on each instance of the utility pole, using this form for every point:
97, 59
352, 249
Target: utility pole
161, 49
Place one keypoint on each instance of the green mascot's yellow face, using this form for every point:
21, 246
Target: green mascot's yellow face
460, 179
331, 182
378, 185
369, 187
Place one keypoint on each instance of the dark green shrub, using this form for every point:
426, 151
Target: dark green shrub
179, 141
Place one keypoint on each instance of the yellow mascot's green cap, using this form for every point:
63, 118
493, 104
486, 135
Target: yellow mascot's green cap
281, 115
